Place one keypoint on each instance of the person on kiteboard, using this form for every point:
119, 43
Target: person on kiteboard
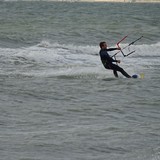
107, 60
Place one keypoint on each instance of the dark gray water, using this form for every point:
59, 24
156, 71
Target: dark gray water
57, 102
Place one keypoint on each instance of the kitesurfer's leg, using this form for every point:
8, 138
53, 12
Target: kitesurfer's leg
125, 74
117, 68
115, 73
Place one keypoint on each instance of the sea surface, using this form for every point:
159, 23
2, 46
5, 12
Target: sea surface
57, 101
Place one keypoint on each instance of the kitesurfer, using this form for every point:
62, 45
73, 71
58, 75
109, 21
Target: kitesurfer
107, 60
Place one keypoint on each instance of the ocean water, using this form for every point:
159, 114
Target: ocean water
57, 102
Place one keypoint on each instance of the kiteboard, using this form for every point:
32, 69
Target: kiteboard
138, 75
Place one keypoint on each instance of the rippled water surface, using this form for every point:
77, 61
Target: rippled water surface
57, 102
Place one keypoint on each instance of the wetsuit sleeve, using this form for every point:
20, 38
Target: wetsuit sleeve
112, 49
110, 58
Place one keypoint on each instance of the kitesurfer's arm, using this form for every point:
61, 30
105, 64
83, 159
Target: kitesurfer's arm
117, 61
113, 49
110, 59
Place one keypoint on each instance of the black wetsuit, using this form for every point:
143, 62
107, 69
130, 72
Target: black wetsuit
107, 62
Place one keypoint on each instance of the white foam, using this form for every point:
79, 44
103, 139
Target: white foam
61, 59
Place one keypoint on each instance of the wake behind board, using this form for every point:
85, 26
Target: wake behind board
138, 76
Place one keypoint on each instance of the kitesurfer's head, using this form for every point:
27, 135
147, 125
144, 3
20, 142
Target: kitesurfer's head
103, 45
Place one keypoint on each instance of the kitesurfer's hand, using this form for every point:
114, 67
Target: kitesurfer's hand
118, 61
119, 48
